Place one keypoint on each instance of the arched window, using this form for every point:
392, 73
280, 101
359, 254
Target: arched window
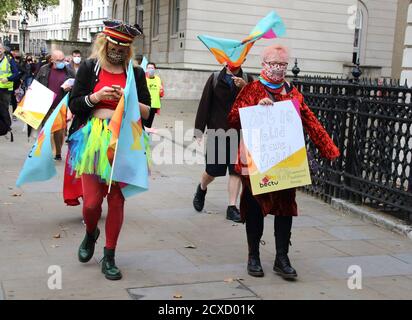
126, 12
114, 11
359, 42
139, 13
156, 18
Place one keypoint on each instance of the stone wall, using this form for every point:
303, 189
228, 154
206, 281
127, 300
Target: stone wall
68, 46
183, 84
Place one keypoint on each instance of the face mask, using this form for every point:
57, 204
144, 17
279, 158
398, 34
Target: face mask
115, 58
276, 73
77, 60
151, 72
60, 65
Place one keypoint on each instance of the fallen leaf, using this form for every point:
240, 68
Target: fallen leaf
234, 225
7, 203
56, 236
191, 246
228, 280
16, 194
54, 246
177, 296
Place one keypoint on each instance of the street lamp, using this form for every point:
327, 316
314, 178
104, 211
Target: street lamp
23, 25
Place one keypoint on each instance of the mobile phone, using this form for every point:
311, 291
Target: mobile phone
116, 87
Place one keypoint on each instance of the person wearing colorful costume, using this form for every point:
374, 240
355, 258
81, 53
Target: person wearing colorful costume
272, 87
98, 87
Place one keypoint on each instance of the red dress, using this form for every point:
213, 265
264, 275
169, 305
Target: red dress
283, 202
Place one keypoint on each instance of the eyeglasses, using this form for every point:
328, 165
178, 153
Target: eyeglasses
283, 65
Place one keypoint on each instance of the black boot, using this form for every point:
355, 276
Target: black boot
109, 268
282, 264
254, 268
199, 199
86, 249
232, 213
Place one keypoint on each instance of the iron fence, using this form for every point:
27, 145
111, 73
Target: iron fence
371, 123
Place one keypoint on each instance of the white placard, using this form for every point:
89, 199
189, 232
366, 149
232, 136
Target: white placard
271, 133
38, 98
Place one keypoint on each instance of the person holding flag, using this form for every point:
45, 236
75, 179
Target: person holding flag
219, 94
102, 148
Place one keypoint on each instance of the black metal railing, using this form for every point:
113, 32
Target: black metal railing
371, 123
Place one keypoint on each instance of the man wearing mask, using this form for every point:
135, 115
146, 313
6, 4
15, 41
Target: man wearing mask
53, 75
8, 74
218, 96
155, 86
76, 60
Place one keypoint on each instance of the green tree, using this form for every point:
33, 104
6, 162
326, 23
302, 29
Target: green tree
32, 6
23, 6
74, 28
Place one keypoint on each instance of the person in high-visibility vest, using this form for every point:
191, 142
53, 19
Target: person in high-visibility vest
155, 86
8, 73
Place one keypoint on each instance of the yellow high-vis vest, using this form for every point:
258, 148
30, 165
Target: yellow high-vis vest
154, 85
5, 72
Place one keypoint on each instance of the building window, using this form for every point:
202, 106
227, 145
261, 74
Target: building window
175, 16
15, 38
114, 13
139, 13
126, 12
14, 24
156, 18
360, 33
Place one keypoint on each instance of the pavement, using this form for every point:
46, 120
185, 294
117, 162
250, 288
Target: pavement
167, 250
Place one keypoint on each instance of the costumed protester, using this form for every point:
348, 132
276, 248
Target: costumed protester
218, 96
99, 85
272, 87
154, 83
53, 76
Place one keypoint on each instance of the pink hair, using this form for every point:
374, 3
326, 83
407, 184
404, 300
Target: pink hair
276, 52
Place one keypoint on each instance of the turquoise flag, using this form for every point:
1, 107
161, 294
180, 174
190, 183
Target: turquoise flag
39, 165
144, 63
234, 52
130, 165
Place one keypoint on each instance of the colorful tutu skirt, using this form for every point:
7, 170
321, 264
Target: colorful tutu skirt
88, 150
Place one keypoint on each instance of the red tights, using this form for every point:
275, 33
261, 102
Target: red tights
93, 194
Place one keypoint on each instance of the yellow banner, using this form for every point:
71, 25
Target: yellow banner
290, 173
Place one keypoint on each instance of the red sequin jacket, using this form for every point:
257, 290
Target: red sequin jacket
279, 202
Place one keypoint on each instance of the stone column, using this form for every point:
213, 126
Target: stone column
407, 52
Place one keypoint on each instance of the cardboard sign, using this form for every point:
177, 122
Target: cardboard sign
275, 147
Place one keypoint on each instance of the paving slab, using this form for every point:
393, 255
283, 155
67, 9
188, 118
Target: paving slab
195, 291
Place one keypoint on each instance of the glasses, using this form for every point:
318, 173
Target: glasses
283, 65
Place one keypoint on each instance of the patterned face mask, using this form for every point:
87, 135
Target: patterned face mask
115, 57
276, 72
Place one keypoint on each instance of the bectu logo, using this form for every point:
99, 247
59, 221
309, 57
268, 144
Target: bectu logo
268, 181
